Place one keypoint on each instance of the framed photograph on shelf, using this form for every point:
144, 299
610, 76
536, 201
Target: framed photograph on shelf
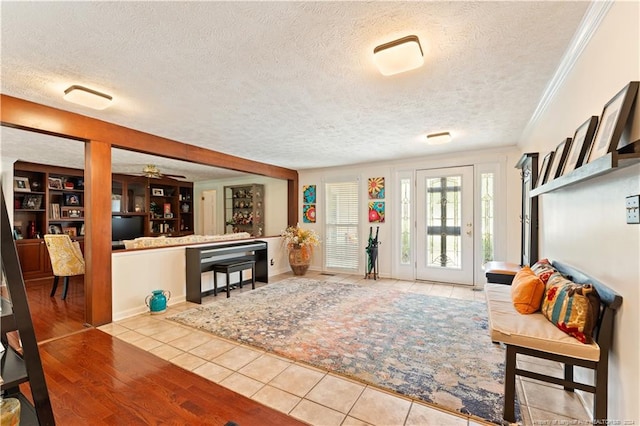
55, 183
613, 121
32, 202
21, 184
82, 230
157, 192
582, 139
55, 229
71, 200
70, 231
559, 158
544, 169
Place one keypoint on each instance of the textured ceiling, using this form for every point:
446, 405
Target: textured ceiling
291, 83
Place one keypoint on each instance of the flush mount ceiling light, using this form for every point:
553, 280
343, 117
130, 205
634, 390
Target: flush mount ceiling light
87, 97
399, 55
439, 138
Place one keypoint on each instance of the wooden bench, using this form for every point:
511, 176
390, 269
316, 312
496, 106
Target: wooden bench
233, 265
535, 336
501, 272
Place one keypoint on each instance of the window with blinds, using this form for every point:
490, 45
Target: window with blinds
341, 243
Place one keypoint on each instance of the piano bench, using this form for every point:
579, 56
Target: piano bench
230, 266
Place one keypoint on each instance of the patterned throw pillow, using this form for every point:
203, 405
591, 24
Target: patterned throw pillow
573, 308
527, 290
543, 269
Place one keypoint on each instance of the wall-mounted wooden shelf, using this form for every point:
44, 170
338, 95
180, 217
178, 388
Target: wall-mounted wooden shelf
603, 165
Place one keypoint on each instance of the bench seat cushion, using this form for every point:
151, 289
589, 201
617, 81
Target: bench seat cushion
530, 331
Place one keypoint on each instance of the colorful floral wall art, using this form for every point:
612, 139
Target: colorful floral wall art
376, 188
309, 204
376, 211
309, 213
309, 194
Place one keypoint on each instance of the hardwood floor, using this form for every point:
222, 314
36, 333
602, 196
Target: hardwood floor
94, 378
53, 317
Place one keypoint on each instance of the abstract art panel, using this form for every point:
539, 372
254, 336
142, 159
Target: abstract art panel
309, 213
376, 188
376, 211
309, 194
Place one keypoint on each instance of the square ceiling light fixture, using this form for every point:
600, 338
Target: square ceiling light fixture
399, 55
87, 97
439, 138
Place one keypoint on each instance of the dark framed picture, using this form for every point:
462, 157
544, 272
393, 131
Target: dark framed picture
71, 200
54, 183
613, 121
21, 184
559, 158
157, 192
32, 202
582, 139
544, 169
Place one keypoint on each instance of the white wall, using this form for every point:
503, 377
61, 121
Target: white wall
136, 273
509, 211
275, 201
584, 224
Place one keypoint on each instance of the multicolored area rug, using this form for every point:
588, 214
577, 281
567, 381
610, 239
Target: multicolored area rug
430, 348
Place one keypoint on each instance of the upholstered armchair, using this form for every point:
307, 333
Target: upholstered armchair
66, 260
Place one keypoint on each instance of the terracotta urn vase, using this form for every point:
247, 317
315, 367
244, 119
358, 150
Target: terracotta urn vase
300, 258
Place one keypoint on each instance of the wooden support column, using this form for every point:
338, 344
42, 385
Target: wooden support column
97, 187
292, 201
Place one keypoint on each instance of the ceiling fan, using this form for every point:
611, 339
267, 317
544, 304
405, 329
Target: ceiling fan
152, 171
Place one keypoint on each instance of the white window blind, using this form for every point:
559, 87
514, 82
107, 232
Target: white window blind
341, 245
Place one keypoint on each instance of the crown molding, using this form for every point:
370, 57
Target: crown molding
587, 28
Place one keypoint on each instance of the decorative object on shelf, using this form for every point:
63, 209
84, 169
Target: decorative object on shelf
157, 301
82, 230
544, 169
36, 186
376, 211
300, 243
580, 146
55, 229
376, 188
55, 183
32, 232
68, 184
613, 121
32, 202
157, 192
21, 184
185, 208
559, 158
54, 211
71, 200
72, 212
70, 231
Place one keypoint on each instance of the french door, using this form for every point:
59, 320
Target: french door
444, 199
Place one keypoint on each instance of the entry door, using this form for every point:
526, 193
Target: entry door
445, 225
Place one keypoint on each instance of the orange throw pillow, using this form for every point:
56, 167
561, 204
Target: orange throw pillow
527, 290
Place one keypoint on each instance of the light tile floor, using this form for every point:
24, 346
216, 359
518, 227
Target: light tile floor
319, 397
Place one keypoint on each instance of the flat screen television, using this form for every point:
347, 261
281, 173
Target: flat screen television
126, 227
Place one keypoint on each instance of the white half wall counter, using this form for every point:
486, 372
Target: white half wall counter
136, 273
